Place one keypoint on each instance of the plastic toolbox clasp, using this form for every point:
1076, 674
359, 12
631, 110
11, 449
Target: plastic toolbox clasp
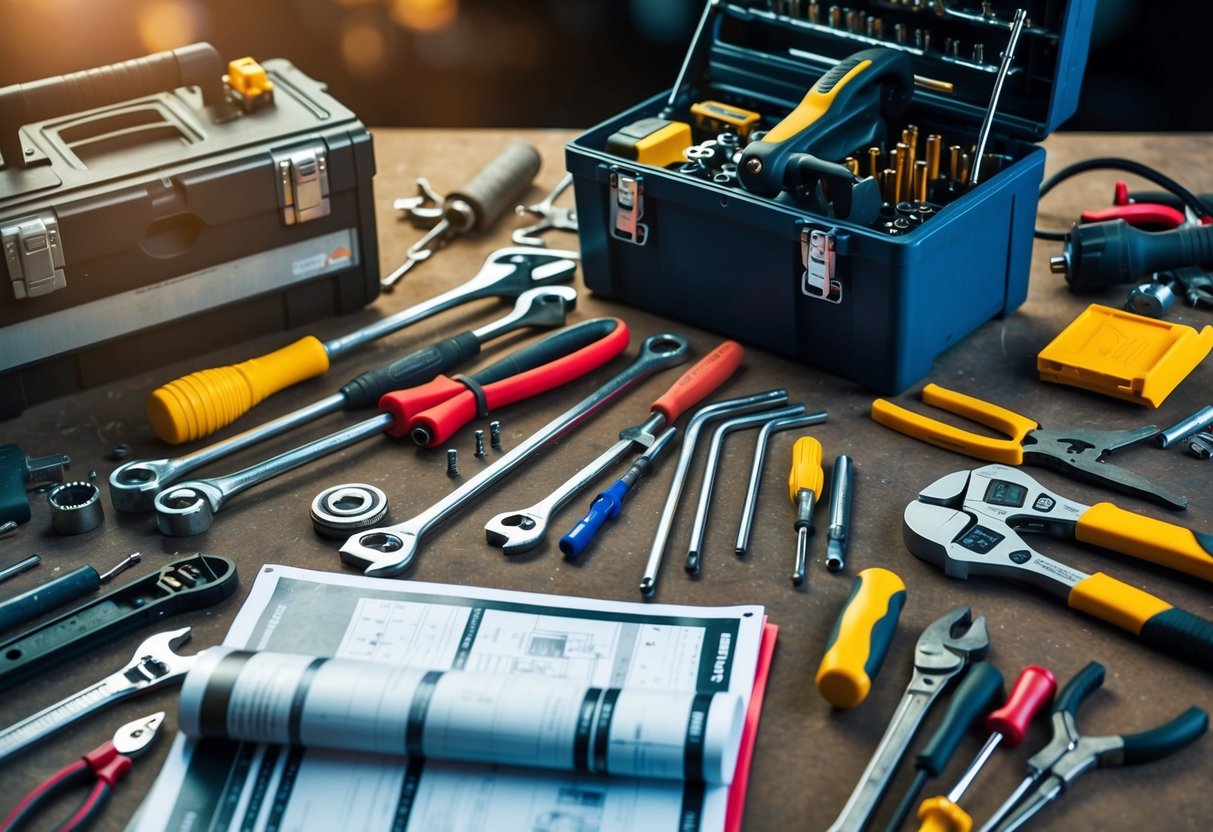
818, 255
627, 207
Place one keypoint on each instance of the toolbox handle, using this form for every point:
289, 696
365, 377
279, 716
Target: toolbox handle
197, 64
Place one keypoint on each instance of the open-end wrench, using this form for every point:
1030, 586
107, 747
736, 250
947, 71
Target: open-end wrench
523, 529
944, 650
749, 420
705, 414
200, 403
760, 454
155, 663
390, 550
135, 484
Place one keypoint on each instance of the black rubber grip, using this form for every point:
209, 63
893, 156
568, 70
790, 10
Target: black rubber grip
1181, 634
1166, 739
195, 65
42, 599
418, 367
549, 348
496, 188
974, 697
1079, 688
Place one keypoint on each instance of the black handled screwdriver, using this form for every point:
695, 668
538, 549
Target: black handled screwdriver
42, 599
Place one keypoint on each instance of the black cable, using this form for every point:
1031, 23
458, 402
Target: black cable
1129, 166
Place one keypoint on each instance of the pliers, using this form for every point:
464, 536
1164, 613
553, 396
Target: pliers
106, 765
1074, 452
1069, 754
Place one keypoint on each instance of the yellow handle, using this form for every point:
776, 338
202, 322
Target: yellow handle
813, 106
1008, 450
806, 470
938, 814
861, 637
1115, 602
201, 403
1156, 541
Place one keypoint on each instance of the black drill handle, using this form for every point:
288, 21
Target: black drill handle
42, 599
497, 186
195, 65
418, 367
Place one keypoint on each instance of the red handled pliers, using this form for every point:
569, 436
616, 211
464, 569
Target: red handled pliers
106, 765
431, 412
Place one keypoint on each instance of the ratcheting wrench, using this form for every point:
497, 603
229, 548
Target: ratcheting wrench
155, 663
944, 650
390, 550
523, 529
135, 484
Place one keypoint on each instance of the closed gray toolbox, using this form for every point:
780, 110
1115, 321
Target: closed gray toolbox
852, 231
162, 207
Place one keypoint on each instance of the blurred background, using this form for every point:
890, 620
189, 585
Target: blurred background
543, 63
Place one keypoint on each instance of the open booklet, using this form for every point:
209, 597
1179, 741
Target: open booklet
650, 693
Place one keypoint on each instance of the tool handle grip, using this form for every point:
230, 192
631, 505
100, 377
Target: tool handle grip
698, 382
806, 473
46, 597
201, 403
861, 637
606, 506
1031, 692
1147, 746
418, 367
981, 687
1079, 688
945, 436
496, 187
1155, 622
938, 814
1156, 541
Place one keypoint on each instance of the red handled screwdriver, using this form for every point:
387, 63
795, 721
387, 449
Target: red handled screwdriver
1033, 690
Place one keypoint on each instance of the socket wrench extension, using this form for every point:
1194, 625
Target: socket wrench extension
135, 484
390, 550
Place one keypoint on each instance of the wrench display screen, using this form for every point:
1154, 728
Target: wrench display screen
981, 540
1003, 493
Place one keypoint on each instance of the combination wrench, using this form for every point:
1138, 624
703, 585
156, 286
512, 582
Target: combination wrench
154, 664
135, 484
521, 530
390, 550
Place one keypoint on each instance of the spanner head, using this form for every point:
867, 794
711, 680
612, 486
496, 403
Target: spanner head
187, 509
163, 648
135, 484
515, 532
545, 305
951, 642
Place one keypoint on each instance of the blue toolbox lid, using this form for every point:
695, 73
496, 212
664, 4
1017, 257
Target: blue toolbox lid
768, 52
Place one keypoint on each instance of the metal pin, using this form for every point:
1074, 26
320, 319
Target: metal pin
899, 33
452, 462
887, 190
129, 561
903, 168
920, 180
965, 162
1179, 431
873, 161
8, 526
495, 435
979, 53
835, 16
842, 484
19, 567
480, 454
934, 146
814, 12
954, 162
852, 164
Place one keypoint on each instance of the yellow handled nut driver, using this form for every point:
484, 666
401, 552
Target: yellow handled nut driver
804, 487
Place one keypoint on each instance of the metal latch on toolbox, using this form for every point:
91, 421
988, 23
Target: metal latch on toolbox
34, 256
818, 255
627, 207
303, 184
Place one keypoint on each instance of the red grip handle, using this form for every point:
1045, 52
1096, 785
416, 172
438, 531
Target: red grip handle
1033, 690
404, 405
708, 373
444, 419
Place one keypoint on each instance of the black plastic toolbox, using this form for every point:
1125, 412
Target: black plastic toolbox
873, 301
160, 208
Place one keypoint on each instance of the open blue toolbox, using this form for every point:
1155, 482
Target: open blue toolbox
792, 226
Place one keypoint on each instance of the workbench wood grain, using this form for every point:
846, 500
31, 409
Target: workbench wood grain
808, 756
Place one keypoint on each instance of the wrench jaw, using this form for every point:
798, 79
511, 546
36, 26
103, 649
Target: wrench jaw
515, 532
952, 642
541, 306
135, 484
381, 553
160, 649
929, 531
950, 491
187, 509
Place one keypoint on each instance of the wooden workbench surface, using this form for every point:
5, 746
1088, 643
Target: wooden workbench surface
808, 755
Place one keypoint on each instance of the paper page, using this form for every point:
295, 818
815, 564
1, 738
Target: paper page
221, 785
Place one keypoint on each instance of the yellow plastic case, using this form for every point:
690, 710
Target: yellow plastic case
1123, 355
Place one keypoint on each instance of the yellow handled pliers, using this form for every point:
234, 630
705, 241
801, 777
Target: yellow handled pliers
1075, 452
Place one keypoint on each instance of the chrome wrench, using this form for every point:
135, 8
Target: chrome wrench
155, 663
705, 414
135, 484
944, 650
522, 530
390, 550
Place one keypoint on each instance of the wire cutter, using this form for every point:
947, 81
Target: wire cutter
106, 765
1069, 754
942, 530
1074, 452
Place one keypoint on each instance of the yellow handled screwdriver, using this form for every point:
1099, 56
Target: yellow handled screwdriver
861, 637
804, 487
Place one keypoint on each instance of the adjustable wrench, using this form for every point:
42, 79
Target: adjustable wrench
518, 531
135, 484
390, 550
939, 657
155, 663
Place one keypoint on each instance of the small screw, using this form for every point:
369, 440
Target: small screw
121, 452
452, 465
495, 435
480, 454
